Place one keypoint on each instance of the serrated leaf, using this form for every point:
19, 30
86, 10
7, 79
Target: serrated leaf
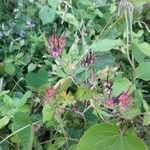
142, 71
36, 80
105, 45
108, 137
47, 15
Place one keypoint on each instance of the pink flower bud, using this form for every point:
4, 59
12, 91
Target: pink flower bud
124, 99
48, 95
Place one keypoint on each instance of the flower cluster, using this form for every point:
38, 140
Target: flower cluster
123, 100
90, 59
57, 45
48, 95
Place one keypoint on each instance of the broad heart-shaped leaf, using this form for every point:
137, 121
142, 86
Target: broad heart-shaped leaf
108, 137
122, 85
36, 80
105, 45
47, 15
144, 47
26, 135
143, 71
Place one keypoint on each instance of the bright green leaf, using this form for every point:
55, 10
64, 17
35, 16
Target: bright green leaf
47, 15
4, 121
54, 3
145, 48
108, 137
9, 68
146, 120
131, 113
142, 71
31, 67
47, 112
105, 45
122, 85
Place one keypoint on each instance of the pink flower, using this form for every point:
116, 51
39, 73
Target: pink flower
124, 99
57, 45
48, 95
110, 102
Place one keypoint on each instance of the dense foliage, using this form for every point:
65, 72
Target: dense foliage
74, 74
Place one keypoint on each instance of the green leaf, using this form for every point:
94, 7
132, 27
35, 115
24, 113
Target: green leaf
142, 71
8, 100
122, 85
100, 3
26, 135
47, 15
145, 48
36, 80
20, 102
31, 67
58, 143
131, 113
146, 120
9, 68
105, 45
84, 93
54, 3
108, 137
47, 112
71, 19
140, 2
4, 121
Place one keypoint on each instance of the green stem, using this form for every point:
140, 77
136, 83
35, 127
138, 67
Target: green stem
18, 131
127, 46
